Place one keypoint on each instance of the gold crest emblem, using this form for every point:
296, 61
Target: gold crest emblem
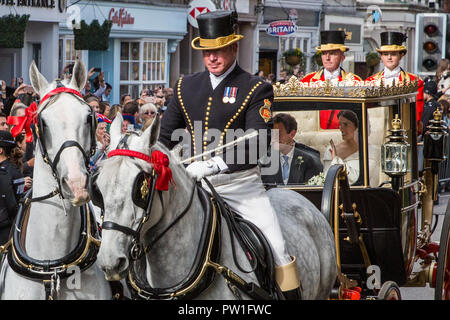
265, 111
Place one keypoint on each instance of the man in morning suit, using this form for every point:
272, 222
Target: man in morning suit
298, 162
332, 49
222, 99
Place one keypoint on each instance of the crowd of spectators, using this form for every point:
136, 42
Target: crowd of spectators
17, 155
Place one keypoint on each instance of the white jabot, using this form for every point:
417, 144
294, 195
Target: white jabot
391, 73
331, 75
216, 80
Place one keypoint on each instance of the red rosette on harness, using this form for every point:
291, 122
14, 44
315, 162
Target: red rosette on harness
160, 163
21, 123
158, 159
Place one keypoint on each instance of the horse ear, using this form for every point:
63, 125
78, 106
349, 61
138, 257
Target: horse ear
38, 81
79, 75
151, 134
116, 130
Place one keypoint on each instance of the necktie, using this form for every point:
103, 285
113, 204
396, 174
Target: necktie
285, 167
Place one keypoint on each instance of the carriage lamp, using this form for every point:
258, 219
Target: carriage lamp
434, 141
394, 153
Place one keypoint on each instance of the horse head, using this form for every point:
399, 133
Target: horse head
119, 181
65, 127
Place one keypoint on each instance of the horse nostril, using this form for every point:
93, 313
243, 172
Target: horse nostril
122, 265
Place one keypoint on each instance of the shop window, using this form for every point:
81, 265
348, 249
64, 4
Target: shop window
67, 53
142, 65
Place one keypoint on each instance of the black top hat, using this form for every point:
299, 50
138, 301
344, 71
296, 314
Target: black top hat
216, 30
392, 41
332, 40
6, 139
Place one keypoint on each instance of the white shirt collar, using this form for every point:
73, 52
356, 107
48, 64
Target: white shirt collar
392, 73
331, 75
216, 80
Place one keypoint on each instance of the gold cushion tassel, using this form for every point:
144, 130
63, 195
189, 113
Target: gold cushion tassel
288, 279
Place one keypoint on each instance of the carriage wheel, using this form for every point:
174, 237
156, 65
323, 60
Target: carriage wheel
389, 291
442, 291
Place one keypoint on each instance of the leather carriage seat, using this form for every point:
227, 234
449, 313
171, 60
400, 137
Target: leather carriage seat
310, 134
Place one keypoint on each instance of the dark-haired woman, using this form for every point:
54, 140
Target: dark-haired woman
345, 152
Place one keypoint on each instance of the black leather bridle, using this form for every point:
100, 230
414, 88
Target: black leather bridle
40, 134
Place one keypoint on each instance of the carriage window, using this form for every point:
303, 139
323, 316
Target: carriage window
305, 151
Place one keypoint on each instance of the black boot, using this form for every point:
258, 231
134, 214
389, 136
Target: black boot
294, 294
288, 279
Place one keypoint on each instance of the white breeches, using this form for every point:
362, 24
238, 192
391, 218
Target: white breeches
244, 192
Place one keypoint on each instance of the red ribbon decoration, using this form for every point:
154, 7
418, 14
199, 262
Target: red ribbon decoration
21, 123
159, 160
25, 122
161, 166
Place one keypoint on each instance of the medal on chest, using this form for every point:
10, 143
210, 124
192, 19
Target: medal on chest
229, 95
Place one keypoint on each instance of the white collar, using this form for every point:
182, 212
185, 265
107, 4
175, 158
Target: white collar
290, 154
216, 80
331, 75
391, 73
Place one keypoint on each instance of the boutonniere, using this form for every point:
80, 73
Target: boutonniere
299, 161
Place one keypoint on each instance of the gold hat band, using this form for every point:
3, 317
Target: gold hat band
332, 46
392, 47
211, 44
216, 42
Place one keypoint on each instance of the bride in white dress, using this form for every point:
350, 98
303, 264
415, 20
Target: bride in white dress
346, 152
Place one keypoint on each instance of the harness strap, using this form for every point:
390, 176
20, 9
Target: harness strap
109, 225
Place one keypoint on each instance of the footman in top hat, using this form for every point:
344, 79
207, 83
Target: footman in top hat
333, 48
221, 99
391, 52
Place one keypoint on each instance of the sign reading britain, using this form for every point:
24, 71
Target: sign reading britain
281, 28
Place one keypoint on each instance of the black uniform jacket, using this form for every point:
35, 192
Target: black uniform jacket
16, 177
8, 203
200, 109
427, 115
299, 173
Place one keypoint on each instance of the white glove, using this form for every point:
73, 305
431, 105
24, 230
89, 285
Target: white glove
200, 169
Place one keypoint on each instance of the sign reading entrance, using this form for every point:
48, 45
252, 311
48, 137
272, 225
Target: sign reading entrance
281, 28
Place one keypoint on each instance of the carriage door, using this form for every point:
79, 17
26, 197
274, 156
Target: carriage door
300, 40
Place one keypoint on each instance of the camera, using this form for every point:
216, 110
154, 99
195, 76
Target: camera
97, 69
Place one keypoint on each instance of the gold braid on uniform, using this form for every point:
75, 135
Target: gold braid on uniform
185, 113
237, 114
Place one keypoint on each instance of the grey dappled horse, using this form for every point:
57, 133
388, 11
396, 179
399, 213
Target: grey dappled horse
53, 228
307, 233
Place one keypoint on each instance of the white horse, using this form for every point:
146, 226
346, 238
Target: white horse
53, 227
175, 228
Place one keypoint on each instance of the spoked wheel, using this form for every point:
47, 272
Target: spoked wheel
389, 291
442, 291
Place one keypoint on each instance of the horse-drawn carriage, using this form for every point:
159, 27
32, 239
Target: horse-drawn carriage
351, 241
378, 232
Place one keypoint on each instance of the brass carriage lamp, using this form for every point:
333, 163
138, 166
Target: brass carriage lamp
394, 153
434, 141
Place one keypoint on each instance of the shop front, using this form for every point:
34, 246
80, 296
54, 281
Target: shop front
305, 17
40, 38
141, 41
